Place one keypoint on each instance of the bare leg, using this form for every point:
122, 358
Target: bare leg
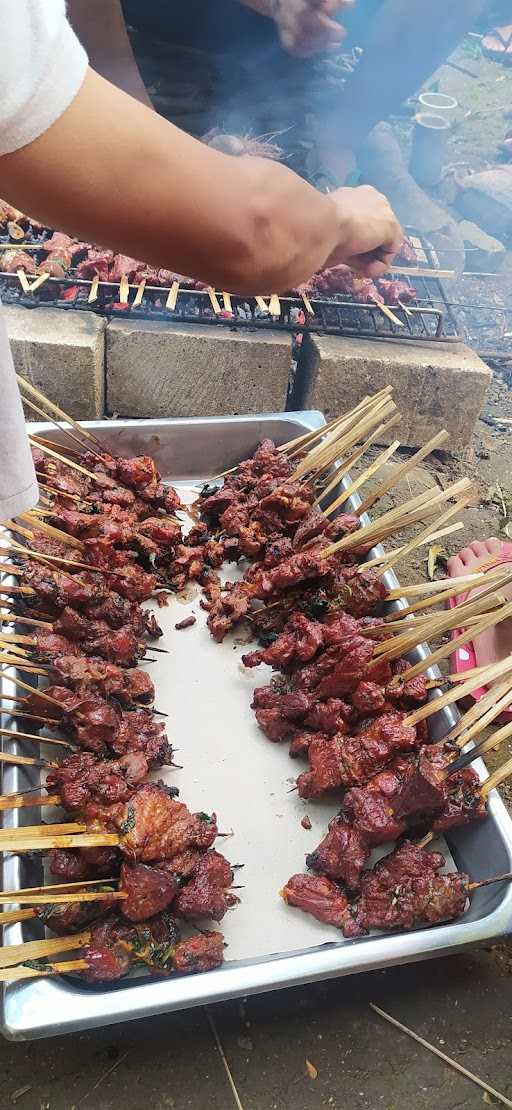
408, 40
101, 28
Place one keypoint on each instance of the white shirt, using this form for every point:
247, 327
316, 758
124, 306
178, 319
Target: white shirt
43, 67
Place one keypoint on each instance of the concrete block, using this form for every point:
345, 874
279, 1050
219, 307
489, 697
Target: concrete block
62, 354
189, 370
436, 385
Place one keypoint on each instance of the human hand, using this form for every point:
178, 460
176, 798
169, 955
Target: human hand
306, 27
370, 234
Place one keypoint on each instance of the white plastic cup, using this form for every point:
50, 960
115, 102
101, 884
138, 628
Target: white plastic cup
429, 144
438, 102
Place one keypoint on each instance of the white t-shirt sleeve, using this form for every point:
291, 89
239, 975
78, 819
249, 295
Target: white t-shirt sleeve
42, 69
43, 66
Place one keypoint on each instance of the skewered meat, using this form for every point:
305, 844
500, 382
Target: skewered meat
120, 646
95, 265
347, 761
342, 853
130, 686
115, 946
322, 899
150, 890
202, 952
15, 260
82, 778
123, 266
75, 864
207, 894
154, 826
405, 890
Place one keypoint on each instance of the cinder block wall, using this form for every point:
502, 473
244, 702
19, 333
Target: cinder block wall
145, 369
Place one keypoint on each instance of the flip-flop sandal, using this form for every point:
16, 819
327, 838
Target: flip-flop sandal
464, 656
498, 54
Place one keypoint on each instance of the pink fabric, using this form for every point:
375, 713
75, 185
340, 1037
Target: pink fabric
464, 656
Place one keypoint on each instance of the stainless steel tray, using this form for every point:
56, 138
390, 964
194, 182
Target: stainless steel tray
222, 750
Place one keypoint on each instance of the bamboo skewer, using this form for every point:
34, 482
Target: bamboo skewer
420, 588
418, 508
39, 739
425, 536
56, 533
441, 596
34, 690
436, 625
424, 711
24, 760
442, 1055
37, 832
432, 445
353, 459
487, 745
10, 896
476, 718
27, 387
497, 778
396, 553
15, 974
49, 899
73, 840
15, 917
74, 466
448, 649
365, 476
65, 431
29, 716
343, 437
13, 954
8, 802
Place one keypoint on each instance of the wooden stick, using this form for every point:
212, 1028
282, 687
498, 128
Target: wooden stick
26, 590
495, 739
368, 473
441, 596
24, 761
448, 649
29, 716
480, 714
44, 844
401, 471
342, 438
25, 668
27, 387
496, 779
425, 536
173, 296
41, 831
226, 300
38, 739
24, 801
34, 690
382, 560
16, 619
274, 305
433, 626
16, 974
93, 292
56, 533
214, 300
353, 459
137, 300
49, 899
13, 954
433, 706
385, 309
14, 917
417, 508
442, 1056
73, 465
11, 895
65, 431
16, 547
420, 588
506, 877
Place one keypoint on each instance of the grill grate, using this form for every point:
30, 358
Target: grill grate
428, 318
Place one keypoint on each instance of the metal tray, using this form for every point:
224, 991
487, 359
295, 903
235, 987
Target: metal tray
227, 760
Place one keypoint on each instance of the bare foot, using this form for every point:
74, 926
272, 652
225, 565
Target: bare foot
496, 643
497, 44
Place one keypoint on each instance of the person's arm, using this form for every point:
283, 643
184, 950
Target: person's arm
113, 172
305, 27
100, 25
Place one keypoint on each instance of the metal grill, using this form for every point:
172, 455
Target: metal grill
429, 318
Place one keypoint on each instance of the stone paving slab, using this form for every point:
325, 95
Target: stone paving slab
62, 354
436, 385
155, 370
